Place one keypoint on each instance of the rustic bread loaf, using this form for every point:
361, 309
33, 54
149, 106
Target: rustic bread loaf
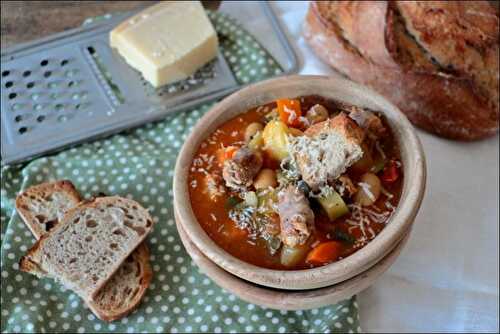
124, 291
43, 206
437, 61
90, 244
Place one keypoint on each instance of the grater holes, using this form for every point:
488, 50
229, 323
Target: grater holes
62, 118
9, 84
47, 74
22, 130
71, 83
59, 107
64, 62
40, 118
5, 73
26, 74
91, 50
16, 106
12, 96
54, 84
18, 118
44, 62
71, 73
30, 85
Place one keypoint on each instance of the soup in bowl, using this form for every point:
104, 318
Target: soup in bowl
288, 182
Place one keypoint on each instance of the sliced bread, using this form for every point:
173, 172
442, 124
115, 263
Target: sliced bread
90, 243
43, 206
124, 291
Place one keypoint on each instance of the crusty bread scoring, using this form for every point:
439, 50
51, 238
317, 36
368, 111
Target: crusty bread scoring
88, 246
436, 60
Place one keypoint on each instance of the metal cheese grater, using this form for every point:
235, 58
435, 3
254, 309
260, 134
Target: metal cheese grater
72, 87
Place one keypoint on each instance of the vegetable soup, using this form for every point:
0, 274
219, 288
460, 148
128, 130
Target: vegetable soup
297, 183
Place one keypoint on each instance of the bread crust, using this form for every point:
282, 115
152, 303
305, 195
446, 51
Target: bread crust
30, 263
451, 106
42, 191
141, 256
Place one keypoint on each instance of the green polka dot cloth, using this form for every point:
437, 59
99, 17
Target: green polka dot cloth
139, 164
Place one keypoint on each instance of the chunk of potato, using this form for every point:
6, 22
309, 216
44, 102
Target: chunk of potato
276, 139
291, 256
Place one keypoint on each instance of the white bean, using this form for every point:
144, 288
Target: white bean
252, 129
265, 179
369, 189
317, 114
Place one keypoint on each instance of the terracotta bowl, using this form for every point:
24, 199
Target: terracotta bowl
292, 86
290, 299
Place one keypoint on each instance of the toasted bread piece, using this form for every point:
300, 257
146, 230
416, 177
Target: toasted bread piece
43, 206
327, 149
89, 245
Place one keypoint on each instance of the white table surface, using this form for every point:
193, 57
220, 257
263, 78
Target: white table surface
446, 278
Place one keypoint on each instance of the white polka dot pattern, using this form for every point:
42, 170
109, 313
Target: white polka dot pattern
139, 164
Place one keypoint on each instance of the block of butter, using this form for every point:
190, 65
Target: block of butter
166, 42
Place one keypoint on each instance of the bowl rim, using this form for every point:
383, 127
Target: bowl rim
290, 299
401, 219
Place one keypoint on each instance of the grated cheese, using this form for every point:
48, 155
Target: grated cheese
360, 219
380, 150
291, 114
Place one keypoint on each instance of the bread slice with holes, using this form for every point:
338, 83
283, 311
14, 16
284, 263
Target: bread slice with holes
125, 289
90, 243
43, 206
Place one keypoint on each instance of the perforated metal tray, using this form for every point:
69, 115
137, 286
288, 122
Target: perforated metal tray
72, 87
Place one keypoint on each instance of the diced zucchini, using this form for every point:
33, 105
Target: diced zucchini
334, 205
275, 136
292, 256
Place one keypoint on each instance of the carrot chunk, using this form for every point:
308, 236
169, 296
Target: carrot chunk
290, 112
324, 253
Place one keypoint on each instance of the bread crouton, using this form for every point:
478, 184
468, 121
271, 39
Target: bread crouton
327, 150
